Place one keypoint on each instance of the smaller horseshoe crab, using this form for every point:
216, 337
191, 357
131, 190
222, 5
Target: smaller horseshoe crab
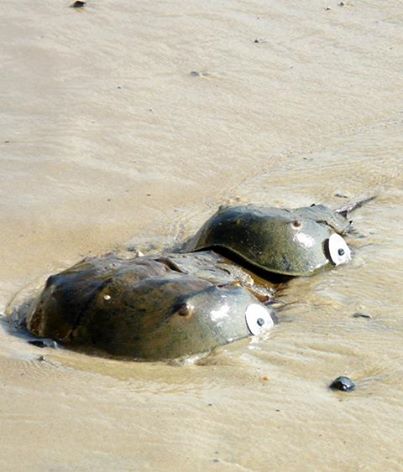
148, 308
295, 242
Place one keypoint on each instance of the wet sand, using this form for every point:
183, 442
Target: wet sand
107, 138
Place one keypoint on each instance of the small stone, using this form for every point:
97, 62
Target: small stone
107, 297
345, 384
78, 4
327, 9
194, 73
341, 4
40, 358
358, 314
256, 41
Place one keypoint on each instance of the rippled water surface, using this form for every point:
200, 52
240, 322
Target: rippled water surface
108, 138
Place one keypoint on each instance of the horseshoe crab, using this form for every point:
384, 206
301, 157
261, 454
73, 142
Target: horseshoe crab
148, 308
288, 242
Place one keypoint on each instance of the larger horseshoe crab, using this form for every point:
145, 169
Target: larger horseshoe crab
295, 242
148, 308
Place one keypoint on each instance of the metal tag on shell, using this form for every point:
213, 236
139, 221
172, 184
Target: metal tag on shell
258, 319
338, 250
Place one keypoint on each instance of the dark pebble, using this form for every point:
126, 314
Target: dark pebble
341, 4
358, 314
342, 383
256, 41
78, 4
194, 73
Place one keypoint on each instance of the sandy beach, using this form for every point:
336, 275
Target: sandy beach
128, 124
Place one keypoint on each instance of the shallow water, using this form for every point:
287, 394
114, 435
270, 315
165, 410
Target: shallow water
106, 139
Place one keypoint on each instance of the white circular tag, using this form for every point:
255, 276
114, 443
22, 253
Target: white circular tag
258, 318
339, 251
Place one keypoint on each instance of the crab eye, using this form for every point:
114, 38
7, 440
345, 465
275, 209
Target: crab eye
338, 250
185, 309
258, 318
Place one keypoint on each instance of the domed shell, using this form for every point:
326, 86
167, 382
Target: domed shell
145, 310
289, 242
